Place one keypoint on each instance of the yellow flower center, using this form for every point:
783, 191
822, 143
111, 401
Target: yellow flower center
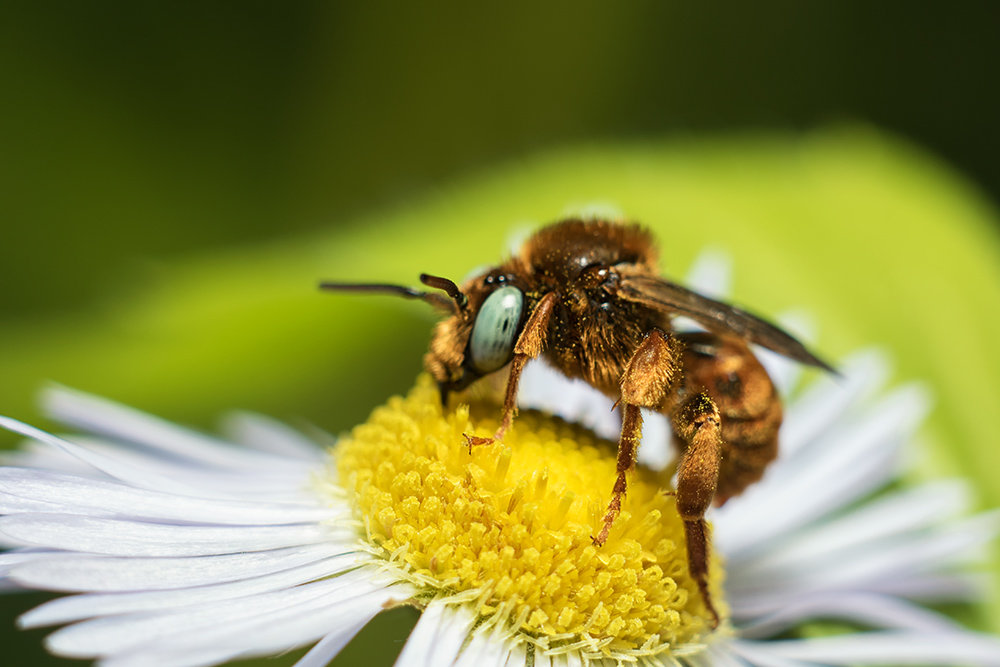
514, 522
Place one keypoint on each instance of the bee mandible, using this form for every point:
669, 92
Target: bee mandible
587, 296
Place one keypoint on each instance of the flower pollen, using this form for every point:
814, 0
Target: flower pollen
513, 521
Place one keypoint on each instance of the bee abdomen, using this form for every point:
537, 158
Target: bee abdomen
749, 447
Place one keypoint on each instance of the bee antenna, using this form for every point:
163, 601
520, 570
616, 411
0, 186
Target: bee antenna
382, 288
448, 287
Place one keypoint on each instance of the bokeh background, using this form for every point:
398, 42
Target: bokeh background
174, 177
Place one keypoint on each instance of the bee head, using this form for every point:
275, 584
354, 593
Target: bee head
479, 335
479, 339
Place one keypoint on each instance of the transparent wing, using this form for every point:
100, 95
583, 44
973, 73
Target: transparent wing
714, 316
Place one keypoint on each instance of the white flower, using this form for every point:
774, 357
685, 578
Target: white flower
184, 549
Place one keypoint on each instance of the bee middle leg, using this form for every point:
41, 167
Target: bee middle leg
649, 376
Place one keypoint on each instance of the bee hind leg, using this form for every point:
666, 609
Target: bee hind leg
727, 370
698, 424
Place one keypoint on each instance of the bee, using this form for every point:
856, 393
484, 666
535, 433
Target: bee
587, 296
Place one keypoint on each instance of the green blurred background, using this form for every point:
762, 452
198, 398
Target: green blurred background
174, 177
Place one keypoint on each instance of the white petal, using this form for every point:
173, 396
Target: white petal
856, 608
15, 504
711, 273
866, 569
784, 372
115, 537
79, 607
655, 449
953, 545
203, 658
896, 648
756, 654
100, 459
489, 646
18, 557
287, 484
78, 495
542, 660
882, 519
827, 400
516, 237
544, 388
10, 559
60, 571
288, 629
560, 660
838, 469
594, 209
8, 586
97, 415
518, 657
937, 587
483, 651
291, 627
271, 436
721, 654
34, 454
438, 635
326, 648
184, 627
115, 466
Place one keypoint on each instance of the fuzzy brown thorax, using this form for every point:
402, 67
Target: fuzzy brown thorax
589, 336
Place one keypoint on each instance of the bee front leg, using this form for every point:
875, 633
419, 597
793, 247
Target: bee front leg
529, 345
651, 372
698, 424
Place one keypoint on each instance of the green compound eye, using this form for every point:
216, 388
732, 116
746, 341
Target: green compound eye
496, 328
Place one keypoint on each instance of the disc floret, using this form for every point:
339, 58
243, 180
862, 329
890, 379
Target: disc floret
510, 525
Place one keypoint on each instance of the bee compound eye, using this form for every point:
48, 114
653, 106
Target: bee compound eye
496, 328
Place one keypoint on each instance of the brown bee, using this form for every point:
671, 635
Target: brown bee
588, 296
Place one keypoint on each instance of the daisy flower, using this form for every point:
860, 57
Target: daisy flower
186, 549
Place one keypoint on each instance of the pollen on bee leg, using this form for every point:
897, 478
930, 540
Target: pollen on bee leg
510, 526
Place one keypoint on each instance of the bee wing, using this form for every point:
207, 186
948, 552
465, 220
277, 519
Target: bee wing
715, 316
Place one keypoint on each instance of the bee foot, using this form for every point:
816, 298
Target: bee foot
475, 441
602, 536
